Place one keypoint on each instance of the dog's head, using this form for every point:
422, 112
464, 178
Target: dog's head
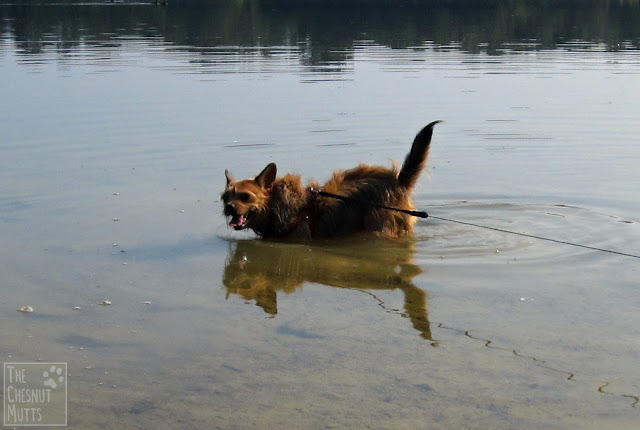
246, 201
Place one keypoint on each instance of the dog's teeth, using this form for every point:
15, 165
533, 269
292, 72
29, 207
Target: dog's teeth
238, 222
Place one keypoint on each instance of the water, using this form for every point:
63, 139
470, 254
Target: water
119, 120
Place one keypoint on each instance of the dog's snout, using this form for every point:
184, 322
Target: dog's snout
229, 209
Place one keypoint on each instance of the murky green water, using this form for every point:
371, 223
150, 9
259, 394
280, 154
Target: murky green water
118, 121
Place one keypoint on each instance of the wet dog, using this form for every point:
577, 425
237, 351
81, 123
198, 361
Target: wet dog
283, 208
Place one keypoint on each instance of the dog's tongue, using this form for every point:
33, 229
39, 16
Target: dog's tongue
237, 222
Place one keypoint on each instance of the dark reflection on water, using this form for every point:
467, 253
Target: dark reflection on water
324, 33
260, 270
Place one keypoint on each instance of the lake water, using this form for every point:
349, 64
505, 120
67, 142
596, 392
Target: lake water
118, 121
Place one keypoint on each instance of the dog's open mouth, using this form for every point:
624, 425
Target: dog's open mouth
238, 222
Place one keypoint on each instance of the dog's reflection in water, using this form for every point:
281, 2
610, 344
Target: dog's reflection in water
259, 270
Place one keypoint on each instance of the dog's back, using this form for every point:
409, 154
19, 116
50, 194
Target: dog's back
368, 186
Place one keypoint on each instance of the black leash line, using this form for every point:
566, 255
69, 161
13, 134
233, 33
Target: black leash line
419, 214
422, 214
533, 236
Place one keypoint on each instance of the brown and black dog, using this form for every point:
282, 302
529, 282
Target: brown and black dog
282, 207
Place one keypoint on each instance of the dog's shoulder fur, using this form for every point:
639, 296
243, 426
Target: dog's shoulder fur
287, 203
282, 207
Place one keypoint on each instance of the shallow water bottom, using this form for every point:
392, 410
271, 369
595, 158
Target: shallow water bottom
456, 327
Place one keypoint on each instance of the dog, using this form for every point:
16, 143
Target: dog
282, 208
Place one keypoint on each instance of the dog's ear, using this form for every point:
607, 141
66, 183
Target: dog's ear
267, 176
228, 176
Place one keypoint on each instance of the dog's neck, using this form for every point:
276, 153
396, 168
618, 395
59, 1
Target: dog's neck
287, 208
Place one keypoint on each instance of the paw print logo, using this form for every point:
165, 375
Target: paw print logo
54, 374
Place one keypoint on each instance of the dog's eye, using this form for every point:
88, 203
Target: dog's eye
244, 197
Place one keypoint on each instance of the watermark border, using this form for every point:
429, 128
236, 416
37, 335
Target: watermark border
66, 392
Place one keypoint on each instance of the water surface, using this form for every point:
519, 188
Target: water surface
119, 121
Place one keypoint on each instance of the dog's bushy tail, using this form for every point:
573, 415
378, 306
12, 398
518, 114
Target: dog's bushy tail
416, 158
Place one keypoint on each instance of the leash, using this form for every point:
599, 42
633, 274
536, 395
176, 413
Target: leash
533, 236
422, 214
419, 214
